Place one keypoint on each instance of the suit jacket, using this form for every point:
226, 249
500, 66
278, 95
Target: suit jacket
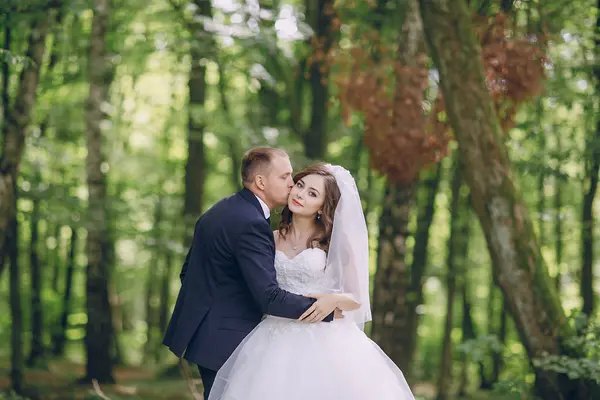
228, 282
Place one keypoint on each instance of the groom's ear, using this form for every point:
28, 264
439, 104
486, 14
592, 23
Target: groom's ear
259, 180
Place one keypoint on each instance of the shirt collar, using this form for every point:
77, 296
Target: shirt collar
265, 207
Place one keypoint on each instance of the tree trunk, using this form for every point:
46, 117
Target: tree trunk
5, 96
486, 377
231, 140
99, 323
457, 257
16, 312
430, 185
201, 45
391, 278
115, 301
497, 357
56, 259
165, 290
61, 336
590, 186
321, 14
392, 311
151, 285
37, 319
17, 121
5, 107
519, 268
558, 216
468, 327
541, 156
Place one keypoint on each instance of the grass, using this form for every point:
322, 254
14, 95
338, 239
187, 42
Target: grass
57, 380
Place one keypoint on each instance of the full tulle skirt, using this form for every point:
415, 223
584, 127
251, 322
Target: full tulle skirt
283, 359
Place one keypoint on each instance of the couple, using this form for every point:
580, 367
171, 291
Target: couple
279, 315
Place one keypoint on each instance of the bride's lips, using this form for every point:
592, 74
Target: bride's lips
296, 203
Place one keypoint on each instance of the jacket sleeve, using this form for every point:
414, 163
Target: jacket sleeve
255, 255
185, 265
187, 257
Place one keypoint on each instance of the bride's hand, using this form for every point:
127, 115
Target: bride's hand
325, 305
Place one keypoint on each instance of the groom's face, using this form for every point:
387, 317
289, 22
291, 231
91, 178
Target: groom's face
279, 182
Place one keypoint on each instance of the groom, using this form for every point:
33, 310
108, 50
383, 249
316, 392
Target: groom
228, 278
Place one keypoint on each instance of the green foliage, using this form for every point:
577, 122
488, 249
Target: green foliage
11, 395
477, 350
584, 363
14, 59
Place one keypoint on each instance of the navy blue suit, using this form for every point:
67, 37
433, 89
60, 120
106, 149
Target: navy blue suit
228, 282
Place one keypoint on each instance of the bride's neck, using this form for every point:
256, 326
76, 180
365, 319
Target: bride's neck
302, 227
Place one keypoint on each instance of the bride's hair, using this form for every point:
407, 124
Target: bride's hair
324, 222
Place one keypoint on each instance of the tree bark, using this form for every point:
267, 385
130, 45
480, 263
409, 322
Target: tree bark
321, 13
231, 140
195, 168
99, 324
393, 311
590, 186
115, 301
37, 319
467, 326
445, 377
5, 104
152, 285
497, 357
458, 247
56, 259
61, 336
165, 290
519, 268
392, 276
17, 121
16, 310
430, 185
541, 155
558, 215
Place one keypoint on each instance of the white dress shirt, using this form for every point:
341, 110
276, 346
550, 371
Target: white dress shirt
264, 206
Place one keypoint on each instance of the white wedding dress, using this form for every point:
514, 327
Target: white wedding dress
283, 359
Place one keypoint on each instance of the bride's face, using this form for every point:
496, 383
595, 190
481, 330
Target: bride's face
307, 196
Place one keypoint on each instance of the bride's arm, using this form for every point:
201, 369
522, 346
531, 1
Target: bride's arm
327, 303
343, 301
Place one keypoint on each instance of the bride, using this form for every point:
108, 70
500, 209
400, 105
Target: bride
321, 252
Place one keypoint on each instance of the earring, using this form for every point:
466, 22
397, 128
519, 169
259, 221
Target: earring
318, 216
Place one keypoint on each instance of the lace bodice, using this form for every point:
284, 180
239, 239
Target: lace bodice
305, 273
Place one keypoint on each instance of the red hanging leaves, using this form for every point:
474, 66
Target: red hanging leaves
401, 137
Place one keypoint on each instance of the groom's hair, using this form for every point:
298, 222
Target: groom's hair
257, 161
